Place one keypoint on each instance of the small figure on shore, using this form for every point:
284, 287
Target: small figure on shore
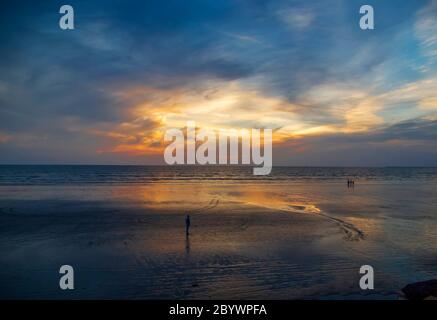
187, 225
350, 183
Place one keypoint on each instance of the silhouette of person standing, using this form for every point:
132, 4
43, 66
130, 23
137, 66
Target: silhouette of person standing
187, 225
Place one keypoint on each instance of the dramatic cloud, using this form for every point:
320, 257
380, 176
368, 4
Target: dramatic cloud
106, 91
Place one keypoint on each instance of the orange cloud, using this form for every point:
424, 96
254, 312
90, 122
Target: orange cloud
4, 137
320, 111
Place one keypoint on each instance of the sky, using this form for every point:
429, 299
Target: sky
105, 92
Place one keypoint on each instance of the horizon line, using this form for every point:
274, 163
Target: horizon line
212, 165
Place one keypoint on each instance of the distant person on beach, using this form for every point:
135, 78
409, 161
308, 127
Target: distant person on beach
187, 225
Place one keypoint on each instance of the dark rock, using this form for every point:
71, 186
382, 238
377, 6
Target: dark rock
420, 290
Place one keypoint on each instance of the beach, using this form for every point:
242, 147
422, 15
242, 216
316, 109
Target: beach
292, 239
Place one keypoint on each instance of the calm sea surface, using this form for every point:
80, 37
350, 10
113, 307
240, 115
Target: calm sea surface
89, 174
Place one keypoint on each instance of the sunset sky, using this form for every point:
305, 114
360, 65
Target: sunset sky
105, 92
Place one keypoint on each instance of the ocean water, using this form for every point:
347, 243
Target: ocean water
89, 174
297, 233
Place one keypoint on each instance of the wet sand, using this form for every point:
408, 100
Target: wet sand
305, 241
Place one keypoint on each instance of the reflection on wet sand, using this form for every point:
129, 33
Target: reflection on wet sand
187, 244
246, 241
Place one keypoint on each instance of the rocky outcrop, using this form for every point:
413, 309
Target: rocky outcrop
420, 290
